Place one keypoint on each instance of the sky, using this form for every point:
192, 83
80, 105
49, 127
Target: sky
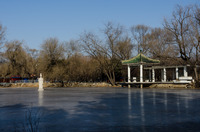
33, 21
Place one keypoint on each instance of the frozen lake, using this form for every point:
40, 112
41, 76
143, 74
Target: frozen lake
99, 109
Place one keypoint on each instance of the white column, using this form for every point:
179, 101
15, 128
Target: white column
176, 72
185, 71
153, 75
129, 74
165, 75
141, 73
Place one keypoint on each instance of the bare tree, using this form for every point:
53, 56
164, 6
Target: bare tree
94, 47
139, 32
16, 57
159, 41
110, 52
32, 61
179, 26
82, 68
197, 14
2, 41
5, 71
52, 60
124, 48
72, 47
196, 29
185, 30
2, 35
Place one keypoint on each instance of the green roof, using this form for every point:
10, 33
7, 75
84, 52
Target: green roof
140, 58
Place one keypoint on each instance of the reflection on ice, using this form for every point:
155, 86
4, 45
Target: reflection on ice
186, 102
165, 99
129, 99
154, 97
178, 103
142, 106
40, 97
141, 98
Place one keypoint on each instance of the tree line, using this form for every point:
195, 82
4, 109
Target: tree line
97, 56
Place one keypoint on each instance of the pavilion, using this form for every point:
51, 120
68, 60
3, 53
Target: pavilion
152, 64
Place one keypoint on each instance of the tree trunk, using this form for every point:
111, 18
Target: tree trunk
110, 77
62, 83
196, 77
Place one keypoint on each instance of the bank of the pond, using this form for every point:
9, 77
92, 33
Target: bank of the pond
48, 84
92, 84
173, 86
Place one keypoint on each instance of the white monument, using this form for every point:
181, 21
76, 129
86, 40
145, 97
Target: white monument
40, 83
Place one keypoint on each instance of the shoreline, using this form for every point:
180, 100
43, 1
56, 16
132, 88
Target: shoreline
54, 85
86, 84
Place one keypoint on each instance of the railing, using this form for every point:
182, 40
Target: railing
25, 81
20, 81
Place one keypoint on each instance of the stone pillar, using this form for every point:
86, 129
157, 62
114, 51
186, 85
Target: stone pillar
129, 75
185, 71
164, 75
153, 75
176, 72
40, 83
141, 75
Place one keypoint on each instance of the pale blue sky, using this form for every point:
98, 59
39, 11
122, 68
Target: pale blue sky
33, 21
